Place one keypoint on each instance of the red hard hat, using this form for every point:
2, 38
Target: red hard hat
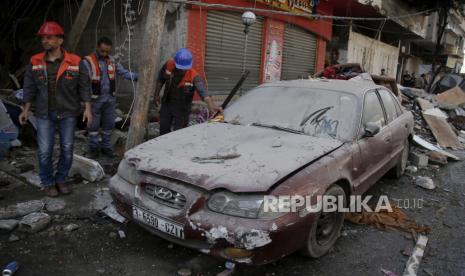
50, 28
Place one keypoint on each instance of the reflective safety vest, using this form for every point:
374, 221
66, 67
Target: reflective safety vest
70, 64
185, 89
96, 76
189, 76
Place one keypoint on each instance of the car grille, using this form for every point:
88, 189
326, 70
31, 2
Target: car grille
166, 196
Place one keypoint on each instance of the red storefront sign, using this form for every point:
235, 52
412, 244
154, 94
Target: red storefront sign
290, 5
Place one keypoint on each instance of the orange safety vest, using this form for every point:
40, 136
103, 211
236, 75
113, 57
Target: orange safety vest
189, 76
70, 63
96, 74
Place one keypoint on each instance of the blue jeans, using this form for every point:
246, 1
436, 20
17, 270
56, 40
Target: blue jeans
103, 117
46, 141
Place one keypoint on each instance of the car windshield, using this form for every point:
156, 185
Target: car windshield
321, 113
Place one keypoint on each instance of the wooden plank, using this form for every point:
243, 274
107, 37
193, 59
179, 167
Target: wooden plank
443, 132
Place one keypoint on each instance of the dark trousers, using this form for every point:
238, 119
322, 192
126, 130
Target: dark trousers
175, 116
103, 117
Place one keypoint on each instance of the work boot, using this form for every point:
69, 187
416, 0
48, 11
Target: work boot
64, 189
108, 152
93, 153
51, 191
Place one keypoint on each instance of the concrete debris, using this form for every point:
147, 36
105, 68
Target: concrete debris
413, 263
71, 227
437, 158
13, 238
121, 234
87, 168
425, 182
420, 160
112, 213
21, 209
411, 170
34, 222
32, 178
7, 225
184, 272
435, 112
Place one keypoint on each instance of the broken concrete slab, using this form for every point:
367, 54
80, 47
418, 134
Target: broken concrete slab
451, 99
443, 132
435, 112
21, 209
425, 182
7, 225
34, 222
424, 104
87, 168
419, 159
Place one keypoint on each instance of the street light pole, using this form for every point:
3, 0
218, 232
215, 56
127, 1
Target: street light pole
248, 19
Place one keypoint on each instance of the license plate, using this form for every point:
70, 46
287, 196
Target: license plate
158, 222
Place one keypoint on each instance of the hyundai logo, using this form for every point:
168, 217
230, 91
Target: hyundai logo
163, 193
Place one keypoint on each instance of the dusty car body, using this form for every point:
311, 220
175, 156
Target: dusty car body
202, 186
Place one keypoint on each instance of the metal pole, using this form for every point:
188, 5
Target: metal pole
244, 58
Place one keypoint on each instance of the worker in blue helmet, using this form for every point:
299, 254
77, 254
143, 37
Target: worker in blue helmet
180, 81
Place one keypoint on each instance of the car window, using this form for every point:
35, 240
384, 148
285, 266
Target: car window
373, 112
389, 104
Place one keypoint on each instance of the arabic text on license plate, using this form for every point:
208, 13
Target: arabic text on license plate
158, 223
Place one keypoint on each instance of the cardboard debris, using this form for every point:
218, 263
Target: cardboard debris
442, 131
451, 99
89, 169
427, 145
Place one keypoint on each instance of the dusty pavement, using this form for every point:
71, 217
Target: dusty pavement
95, 248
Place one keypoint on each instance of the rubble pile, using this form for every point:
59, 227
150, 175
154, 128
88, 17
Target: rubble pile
439, 128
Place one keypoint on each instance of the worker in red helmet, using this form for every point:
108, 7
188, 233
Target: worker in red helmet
55, 83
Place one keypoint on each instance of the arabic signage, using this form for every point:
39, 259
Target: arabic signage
290, 5
274, 49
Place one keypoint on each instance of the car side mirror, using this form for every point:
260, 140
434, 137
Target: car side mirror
371, 129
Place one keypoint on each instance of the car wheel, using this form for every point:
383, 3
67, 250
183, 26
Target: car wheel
399, 169
326, 228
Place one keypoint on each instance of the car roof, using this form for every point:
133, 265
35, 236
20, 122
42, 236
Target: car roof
356, 87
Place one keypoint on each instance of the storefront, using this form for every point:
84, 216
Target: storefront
279, 47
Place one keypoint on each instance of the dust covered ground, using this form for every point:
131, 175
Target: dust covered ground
95, 248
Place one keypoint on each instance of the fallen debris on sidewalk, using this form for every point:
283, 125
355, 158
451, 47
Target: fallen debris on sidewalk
87, 168
451, 98
21, 209
425, 182
8, 225
385, 220
413, 263
34, 222
422, 142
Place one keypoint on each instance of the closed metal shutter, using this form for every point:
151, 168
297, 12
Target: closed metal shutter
224, 52
299, 53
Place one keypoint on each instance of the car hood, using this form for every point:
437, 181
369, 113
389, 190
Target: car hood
234, 157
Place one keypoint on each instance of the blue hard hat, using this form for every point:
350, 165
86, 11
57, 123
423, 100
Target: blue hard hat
183, 59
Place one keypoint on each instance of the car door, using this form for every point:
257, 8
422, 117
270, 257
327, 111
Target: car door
374, 151
397, 125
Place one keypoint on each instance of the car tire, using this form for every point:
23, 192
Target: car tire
325, 229
399, 169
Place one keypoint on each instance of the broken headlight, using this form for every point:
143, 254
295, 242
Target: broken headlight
246, 206
128, 172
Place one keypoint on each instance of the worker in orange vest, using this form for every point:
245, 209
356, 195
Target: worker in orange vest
56, 84
181, 82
